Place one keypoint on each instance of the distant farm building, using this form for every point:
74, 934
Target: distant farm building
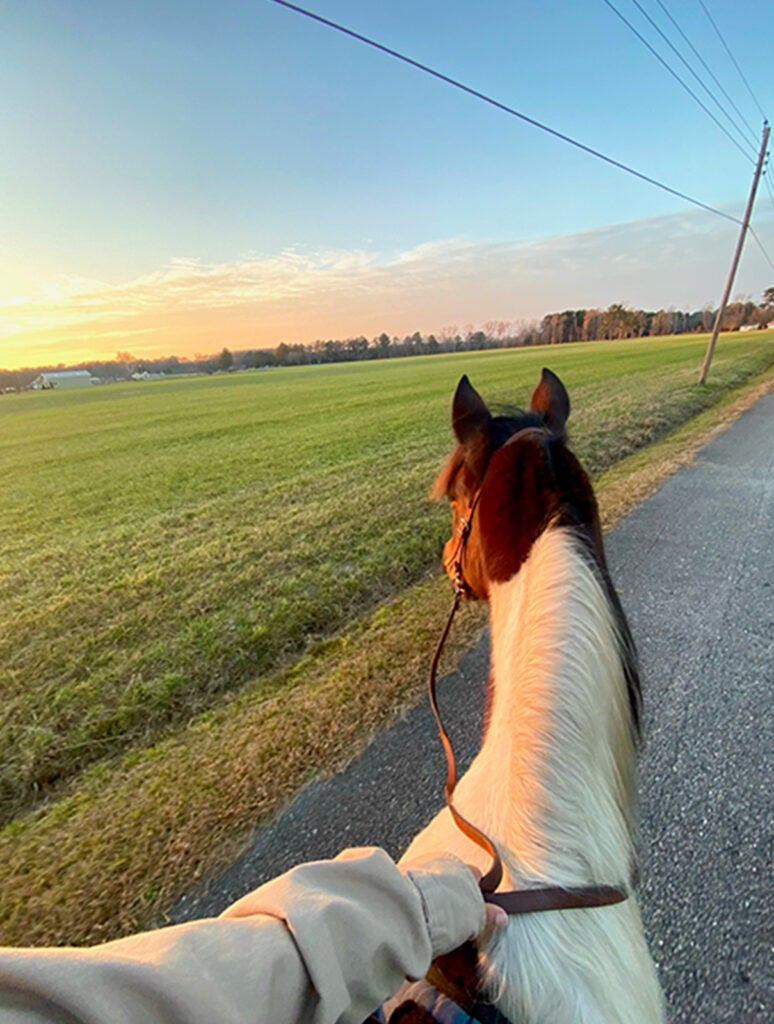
757, 327
63, 379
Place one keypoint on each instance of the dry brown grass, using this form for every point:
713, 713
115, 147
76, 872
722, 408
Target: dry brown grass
108, 858
634, 479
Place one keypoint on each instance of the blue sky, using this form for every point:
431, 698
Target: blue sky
180, 175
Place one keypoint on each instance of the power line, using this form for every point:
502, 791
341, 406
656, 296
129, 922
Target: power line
765, 175
679, 55
675, 75
707, 68
760, 246
733, 59
501, 106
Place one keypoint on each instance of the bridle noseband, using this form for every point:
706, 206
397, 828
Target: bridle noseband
521, 901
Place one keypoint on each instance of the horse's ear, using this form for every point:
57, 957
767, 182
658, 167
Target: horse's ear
470, 416
550, 398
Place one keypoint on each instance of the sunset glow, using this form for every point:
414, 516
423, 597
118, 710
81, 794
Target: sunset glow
190, 307
177, 181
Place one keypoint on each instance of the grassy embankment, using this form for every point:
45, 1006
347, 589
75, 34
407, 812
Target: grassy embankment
209, 585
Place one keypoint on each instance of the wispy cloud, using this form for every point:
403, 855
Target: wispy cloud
301, 294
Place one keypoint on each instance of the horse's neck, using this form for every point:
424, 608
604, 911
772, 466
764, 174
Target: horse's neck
555, 773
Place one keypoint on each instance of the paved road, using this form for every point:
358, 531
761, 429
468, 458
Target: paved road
695, 567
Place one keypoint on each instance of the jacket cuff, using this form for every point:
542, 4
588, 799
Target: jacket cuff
453, 906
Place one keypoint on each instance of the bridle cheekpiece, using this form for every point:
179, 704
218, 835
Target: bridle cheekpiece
454, 565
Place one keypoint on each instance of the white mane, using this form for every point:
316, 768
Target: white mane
553, 785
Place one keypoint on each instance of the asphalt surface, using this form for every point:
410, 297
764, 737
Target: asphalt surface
695, 568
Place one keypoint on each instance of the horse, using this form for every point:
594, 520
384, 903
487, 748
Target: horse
553, 785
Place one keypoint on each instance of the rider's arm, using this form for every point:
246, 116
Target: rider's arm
326, 942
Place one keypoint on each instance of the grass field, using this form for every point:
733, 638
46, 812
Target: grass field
185, 563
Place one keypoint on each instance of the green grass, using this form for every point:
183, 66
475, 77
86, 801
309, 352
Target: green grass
165, 544
180, 774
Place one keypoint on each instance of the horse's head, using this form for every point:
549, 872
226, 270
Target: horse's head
510, 477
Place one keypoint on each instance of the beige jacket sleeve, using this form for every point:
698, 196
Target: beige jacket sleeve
328, 941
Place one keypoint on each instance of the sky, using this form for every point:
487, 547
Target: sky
181, 176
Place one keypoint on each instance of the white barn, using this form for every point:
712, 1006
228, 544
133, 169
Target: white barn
63, 379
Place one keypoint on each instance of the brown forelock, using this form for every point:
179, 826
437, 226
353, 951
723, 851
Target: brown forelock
443, 482
465, 468
462, 477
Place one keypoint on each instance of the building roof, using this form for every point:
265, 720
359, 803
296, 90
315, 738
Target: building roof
64, 374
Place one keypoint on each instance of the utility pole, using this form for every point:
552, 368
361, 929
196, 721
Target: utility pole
737, 254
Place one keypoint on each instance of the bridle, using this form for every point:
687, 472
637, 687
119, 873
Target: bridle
521, 901
461, 587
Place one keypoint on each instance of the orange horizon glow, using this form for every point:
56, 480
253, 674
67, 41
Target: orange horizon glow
189, 307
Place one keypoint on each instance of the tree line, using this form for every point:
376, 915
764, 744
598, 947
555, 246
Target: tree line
617, 321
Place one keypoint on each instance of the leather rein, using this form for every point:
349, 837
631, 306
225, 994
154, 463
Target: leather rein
522, 901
